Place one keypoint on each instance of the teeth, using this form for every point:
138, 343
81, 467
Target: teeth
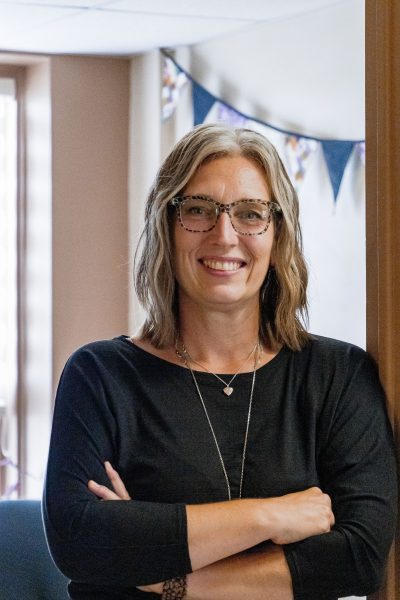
222, 266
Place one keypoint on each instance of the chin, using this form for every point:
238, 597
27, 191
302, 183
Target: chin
230, 299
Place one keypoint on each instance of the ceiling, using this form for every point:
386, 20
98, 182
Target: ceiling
126, 27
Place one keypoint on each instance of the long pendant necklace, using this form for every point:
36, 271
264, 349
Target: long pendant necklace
228, 389
256, 351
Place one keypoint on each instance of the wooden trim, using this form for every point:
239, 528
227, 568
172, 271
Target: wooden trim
11, 71
383, 217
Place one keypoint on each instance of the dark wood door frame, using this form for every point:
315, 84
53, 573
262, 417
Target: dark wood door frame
383, 218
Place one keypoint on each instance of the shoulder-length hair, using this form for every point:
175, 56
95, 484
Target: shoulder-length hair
283, 300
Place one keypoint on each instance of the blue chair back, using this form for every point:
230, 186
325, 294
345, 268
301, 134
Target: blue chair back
27, 571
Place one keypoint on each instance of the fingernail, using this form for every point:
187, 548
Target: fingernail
108, 465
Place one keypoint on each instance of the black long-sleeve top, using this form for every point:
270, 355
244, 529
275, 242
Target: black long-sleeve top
318, 419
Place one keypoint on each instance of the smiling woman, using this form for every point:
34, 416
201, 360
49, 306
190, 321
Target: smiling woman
218, 266
232, 449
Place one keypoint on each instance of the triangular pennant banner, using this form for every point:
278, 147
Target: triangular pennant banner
202, 103
298, 151
173, 82
230, 116
336, 154
361, 152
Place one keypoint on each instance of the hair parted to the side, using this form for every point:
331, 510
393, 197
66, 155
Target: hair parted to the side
283, 300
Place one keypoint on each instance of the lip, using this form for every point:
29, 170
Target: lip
222, 264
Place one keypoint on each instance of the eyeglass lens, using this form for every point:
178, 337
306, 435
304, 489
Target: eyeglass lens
247, 216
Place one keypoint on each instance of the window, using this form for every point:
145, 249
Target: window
8, 276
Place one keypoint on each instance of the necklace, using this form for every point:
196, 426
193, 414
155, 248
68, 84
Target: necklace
246, 435
228, 389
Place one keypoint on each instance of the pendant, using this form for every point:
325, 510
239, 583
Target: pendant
228, 390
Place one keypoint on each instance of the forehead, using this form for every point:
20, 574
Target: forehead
232, 176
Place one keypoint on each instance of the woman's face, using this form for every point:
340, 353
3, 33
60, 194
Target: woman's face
221, 268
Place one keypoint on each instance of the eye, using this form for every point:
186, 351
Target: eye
197, 209
250, 215
253, 213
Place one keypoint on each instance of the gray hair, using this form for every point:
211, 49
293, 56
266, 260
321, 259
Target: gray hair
283, 300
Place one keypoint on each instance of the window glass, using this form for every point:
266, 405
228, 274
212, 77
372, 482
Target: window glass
8, 261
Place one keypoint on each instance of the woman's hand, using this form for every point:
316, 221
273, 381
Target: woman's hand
156, 588
103, 492
297, 516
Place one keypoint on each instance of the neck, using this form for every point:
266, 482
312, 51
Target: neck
217, 339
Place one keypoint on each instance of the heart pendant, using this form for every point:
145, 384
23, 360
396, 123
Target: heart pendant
228, 390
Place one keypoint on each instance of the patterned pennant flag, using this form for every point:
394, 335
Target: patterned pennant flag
228, 115
298, 151
360, 146
173, 82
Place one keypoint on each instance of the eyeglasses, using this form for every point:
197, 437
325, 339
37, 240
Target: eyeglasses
200, 214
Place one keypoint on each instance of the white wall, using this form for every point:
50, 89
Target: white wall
306, 74
334, 246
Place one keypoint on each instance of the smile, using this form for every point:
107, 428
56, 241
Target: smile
222, 265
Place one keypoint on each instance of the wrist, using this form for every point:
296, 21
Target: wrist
174, 589
266, 517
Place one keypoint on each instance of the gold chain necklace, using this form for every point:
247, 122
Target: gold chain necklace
256, 360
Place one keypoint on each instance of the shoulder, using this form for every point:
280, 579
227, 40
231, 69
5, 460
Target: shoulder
114, 356
326, 361
106, 357
330, 350
100, 350
342, 368
105, 365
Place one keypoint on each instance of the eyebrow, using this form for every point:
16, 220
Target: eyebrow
207, 197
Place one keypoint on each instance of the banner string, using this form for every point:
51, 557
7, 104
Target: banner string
255, 119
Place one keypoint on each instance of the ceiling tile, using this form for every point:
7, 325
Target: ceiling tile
131, 26
66, 4
102, 32
225, 9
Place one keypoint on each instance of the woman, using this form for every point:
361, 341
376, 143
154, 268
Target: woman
249, 458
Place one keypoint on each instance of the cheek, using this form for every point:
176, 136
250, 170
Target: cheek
268, 250
184, 245
262, 252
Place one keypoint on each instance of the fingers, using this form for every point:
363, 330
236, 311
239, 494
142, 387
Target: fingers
301, 515
326, 501
116, 482
156, 588
102, 491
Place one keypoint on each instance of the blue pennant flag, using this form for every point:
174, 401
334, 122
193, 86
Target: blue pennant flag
336, 154
202, 103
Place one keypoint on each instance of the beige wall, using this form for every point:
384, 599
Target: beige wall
74, 286
76, 276
91, 271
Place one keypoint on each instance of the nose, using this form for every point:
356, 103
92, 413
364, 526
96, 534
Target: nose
223, 231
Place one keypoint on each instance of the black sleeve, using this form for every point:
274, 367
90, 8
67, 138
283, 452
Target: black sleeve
357, 469
112, 543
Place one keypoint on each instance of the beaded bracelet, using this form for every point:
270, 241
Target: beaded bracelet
174, 589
